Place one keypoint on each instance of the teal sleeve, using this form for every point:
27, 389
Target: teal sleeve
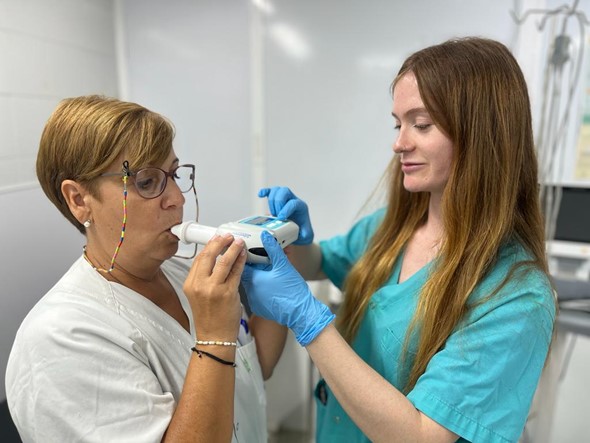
480, 385
341, 252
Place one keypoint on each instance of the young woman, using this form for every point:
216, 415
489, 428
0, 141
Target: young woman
448, 310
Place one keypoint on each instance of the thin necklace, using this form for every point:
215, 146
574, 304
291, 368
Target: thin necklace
106, 272
122, 270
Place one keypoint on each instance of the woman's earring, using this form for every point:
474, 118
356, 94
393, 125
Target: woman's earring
87, 223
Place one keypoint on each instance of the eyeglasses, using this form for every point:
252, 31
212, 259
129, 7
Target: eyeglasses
151, 182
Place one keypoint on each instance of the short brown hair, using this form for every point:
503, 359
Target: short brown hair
85, 135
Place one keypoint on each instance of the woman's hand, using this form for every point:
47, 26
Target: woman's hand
212, 288
277, 292
284, 205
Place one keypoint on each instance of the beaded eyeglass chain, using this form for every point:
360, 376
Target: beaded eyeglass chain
112, 266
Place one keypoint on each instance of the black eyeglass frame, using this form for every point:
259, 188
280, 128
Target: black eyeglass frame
128, 173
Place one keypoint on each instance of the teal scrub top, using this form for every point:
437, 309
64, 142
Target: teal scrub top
480, 385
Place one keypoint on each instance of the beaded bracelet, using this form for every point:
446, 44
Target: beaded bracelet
216, 343
214, 357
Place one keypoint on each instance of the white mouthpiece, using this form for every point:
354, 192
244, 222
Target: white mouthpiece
192, 232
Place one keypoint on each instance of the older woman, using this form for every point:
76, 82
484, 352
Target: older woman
133, 344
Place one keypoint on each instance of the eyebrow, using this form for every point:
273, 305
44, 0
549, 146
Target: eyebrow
174, 163
412, 112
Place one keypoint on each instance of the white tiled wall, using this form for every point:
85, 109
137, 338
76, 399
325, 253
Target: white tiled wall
49, 50
190, 60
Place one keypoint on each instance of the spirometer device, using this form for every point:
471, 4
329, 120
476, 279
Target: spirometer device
248, 229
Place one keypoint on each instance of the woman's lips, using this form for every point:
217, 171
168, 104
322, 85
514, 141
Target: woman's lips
411, 167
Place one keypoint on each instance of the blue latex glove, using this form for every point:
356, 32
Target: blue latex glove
285, 205
277, 292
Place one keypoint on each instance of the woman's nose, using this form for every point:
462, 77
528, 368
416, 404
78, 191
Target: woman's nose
401, 143
173, 196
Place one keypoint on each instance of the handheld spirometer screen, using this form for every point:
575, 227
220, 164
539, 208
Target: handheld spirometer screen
573, 218
258, 221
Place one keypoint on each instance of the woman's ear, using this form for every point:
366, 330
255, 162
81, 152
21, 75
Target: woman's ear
75, 196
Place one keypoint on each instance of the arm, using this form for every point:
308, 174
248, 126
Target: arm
205, 410
270, 336
382, 412
307, 259
270, 341
206, 407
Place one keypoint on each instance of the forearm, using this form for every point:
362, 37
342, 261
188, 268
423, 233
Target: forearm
206, 407
307, 259
381, 411
270, 342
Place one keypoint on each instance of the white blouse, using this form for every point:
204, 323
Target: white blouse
96, 361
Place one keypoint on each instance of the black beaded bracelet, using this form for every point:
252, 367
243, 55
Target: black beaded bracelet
214, 357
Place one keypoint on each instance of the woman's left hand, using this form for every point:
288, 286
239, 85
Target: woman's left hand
277, 292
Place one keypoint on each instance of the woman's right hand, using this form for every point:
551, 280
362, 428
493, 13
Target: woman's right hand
284, 205
212, 288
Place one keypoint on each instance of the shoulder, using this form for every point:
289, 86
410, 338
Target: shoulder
516, 267
81, 306
517, 284
362, 229
80, 290
372, 221
339, 253
353, 244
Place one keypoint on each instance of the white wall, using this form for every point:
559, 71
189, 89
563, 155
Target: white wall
50, 49
190, 60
